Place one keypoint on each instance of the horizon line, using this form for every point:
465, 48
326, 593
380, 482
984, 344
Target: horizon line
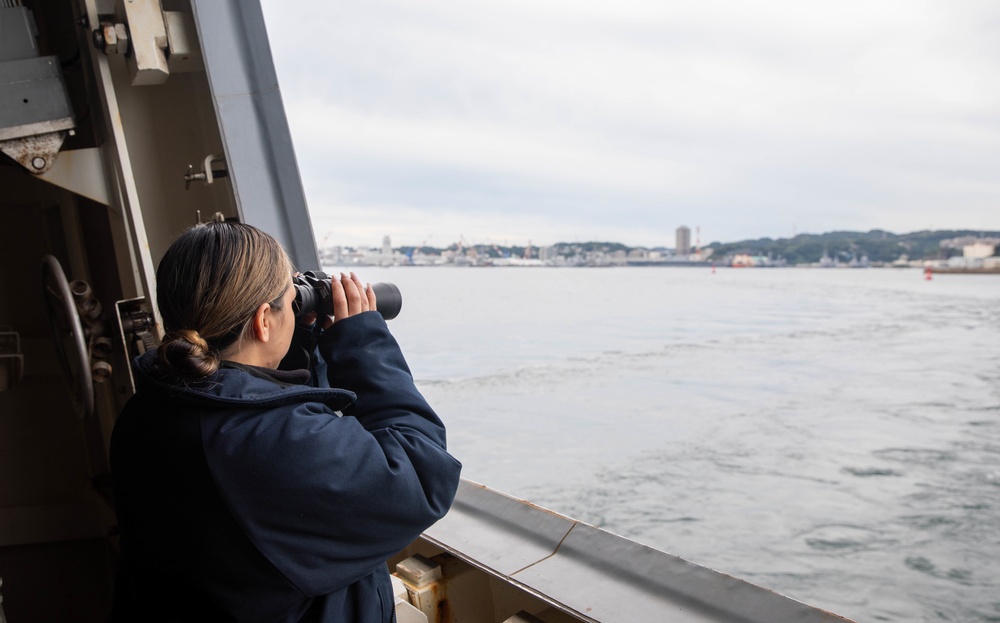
961, 232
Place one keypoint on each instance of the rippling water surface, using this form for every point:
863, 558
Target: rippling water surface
830, 434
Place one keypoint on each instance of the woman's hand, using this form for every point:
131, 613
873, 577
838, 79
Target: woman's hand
350, 298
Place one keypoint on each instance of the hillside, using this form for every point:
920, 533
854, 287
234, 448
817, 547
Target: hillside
876, 245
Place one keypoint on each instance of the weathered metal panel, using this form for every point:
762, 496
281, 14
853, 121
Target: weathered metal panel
598, 576
32, 93
81, 171
502, 533
639, 583
17, 34
251, 117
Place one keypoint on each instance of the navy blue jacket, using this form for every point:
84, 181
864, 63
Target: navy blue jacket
247, 497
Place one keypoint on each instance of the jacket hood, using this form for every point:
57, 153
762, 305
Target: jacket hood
234, 387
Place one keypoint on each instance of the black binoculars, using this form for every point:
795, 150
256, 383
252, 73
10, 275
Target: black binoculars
312, 294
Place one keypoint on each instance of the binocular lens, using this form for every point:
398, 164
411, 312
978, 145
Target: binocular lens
388, 299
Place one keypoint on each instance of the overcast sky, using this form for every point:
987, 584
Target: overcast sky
575, 120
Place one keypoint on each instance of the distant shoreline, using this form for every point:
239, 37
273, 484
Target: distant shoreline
964, 271
967, 271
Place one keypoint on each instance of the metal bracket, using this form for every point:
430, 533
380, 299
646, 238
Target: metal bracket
35, 111
137, 330
155, 42
137, 31
112, 38
206, 174
35, 153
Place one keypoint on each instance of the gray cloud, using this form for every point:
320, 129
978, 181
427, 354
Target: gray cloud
555, 120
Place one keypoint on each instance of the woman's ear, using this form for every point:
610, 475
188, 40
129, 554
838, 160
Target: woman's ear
261, 323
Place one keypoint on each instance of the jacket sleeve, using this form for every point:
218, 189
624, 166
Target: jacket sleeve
325, 498
362, 356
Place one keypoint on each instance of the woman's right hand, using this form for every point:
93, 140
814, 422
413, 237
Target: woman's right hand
350, 298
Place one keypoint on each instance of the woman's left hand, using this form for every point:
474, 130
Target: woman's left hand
350, 298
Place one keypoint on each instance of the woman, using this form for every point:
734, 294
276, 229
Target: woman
246, 493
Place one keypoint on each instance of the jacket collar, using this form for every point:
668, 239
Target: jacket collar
281, 377
237, 385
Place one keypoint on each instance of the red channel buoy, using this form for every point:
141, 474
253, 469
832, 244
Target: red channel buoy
928, 273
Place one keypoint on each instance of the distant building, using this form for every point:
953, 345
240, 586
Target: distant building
683, 240
330, 256
638, 254
964, 241
978, 250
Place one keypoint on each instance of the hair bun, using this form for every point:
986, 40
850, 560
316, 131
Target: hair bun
185, 353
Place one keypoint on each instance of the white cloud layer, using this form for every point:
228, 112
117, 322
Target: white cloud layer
558, 120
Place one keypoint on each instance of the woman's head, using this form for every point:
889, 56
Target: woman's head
210, 285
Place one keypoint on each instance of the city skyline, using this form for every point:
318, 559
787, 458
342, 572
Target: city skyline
949, 251
385, 240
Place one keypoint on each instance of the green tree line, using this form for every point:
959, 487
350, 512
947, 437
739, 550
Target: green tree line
876, 245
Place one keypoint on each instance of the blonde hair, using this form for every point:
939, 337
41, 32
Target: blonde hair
209, 284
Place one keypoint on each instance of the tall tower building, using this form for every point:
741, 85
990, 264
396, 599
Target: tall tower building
683, 240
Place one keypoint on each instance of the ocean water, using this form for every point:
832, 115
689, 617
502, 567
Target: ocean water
833, 435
